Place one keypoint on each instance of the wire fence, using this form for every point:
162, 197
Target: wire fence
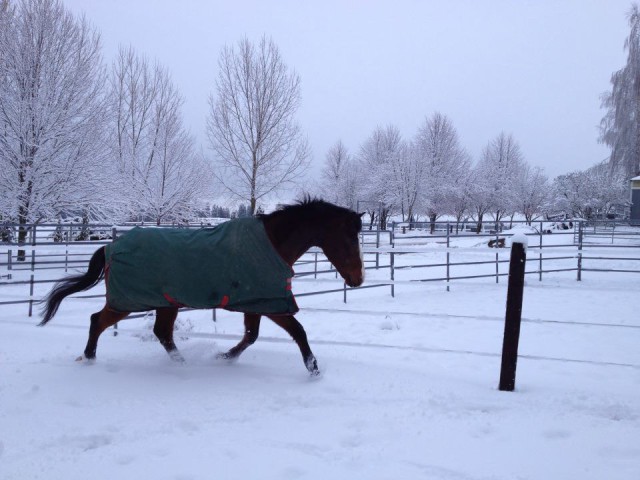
403, 255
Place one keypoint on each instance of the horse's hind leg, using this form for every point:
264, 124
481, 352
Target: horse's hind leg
100, 321
163, 328
251, 330
295, 329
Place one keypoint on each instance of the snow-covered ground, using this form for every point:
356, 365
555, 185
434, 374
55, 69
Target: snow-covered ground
408, 391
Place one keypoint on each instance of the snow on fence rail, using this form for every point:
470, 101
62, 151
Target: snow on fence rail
441, 256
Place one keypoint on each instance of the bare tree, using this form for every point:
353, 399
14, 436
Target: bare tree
51, 112
620, 127
251, 125
160, 175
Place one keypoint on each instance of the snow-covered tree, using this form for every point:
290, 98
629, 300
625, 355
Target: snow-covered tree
592, 192
620, 127
407, 180
258, 145
480, 194
378, 156
497, 173
161, 177
443, 161
533, 192
51, 112
457, 199
338, 179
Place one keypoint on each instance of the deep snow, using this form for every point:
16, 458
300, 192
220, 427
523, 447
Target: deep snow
409, 390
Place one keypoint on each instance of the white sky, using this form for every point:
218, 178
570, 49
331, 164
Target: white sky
535, 69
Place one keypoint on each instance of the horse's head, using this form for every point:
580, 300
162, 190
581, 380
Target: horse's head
293, 229
340, 243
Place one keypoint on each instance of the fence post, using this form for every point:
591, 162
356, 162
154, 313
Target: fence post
580, 251
393, 235
497, 238
344, 286
513, 317
9, 257
540, 257
378, 248
31, 296
315, 266
448, 245
113, 239
613, 233
392, 262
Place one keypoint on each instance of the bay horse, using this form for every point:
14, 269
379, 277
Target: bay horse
291, 230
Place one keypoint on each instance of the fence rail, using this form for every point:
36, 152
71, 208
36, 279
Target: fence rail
431, 252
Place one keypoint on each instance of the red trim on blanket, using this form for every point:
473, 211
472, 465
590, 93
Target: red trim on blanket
172, 300
224, 302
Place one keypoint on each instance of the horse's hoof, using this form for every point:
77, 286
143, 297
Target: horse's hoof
226, 356
312, 365
86, 360
176, 356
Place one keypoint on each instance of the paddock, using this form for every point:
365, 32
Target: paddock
408, 390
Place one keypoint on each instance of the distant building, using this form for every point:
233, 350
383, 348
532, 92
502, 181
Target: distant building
635, 201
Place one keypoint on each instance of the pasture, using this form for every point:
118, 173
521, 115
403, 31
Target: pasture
408, 386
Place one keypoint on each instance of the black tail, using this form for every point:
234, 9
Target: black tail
74, 284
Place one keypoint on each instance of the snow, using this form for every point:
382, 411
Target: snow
408, 390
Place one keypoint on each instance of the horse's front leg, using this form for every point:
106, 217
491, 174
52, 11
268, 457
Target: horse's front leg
163, 329
251, 330
295, 329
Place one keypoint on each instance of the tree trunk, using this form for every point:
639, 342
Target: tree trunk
432, 221
479, 225
372, 216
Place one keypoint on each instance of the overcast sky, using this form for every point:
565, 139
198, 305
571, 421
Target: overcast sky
535, 68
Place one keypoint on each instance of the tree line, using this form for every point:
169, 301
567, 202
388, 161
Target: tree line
431, 176
106, 140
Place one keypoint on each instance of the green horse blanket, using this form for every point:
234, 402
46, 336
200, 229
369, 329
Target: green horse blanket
232, 266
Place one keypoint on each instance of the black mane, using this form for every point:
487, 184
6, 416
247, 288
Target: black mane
308, 206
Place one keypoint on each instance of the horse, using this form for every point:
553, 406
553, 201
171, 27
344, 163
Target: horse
290, 231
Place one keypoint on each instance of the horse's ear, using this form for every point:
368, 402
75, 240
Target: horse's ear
361, 214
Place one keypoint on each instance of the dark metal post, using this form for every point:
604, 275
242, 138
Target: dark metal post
345, 291
377, 248
497, 246
392, 262
9, 257
448, 245
393, 234
580, 234
31, 296
513, 317
540, 260
113, 239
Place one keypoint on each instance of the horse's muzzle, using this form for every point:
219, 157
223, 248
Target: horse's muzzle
354, 280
